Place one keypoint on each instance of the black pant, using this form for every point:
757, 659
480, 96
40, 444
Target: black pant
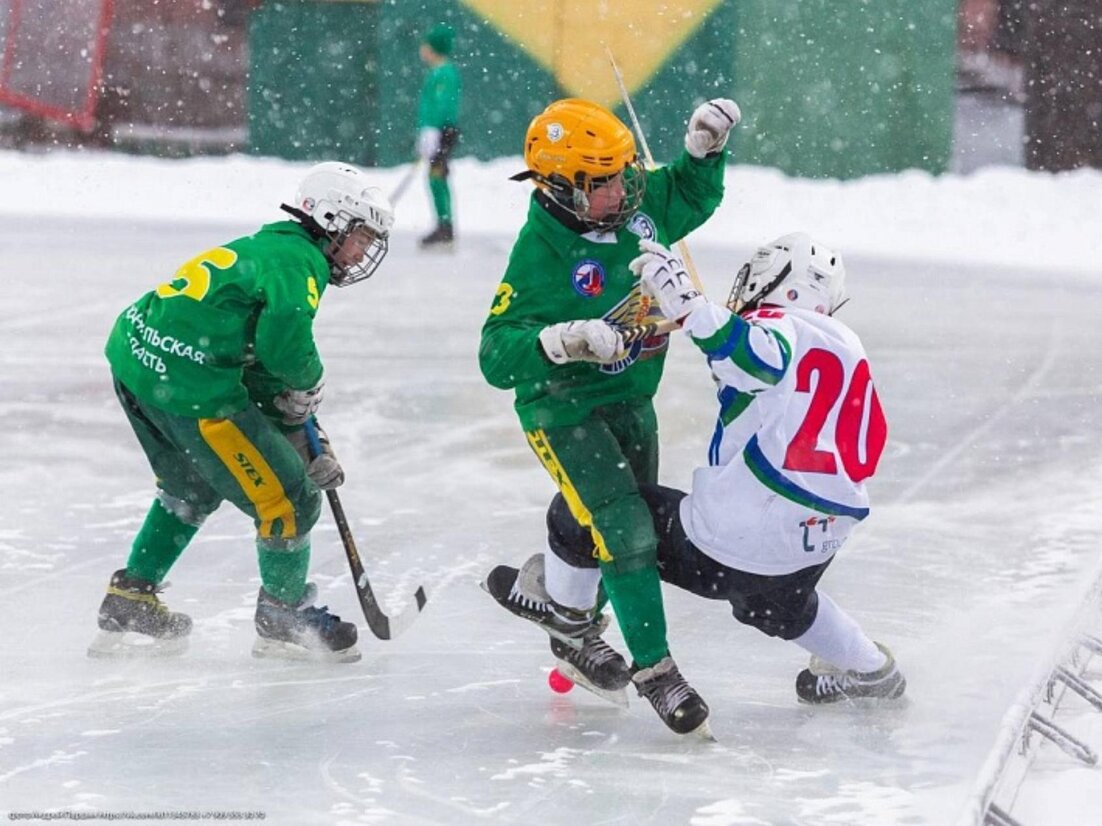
780, 606
438, 163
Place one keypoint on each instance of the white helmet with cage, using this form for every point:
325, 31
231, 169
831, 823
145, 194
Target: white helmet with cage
793, 271
335, 200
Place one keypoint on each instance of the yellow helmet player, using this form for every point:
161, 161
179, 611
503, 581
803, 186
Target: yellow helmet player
584, 158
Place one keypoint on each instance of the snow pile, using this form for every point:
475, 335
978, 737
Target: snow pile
996, 217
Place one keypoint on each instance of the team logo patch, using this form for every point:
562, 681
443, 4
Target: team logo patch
642, 225
588, 278
792, 294
636, 309
554, 132
818, 537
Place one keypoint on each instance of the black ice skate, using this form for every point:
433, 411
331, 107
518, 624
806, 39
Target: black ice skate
301, 631
822, 683
440, 238
677, 703
135, 623
524, 594
576, 641
594, 665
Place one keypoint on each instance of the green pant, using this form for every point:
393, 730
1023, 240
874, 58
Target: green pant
598, 466
199, 463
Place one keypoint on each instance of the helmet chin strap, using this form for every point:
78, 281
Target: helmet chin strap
756, 301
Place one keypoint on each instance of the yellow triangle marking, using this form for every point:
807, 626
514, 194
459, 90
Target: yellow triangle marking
568, 38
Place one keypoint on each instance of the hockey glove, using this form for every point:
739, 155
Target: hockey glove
663, 277
710, 125
324, 470
592, 340
299, 405
428, 143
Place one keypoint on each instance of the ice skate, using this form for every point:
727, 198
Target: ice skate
135, 623
823, 683
523, 593
442, 238
594, 665
677, 703
302, 631
576, 643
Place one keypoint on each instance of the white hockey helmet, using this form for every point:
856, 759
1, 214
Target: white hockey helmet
334, 200
793, 271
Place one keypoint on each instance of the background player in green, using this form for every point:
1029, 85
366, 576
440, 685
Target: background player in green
218, 373
438, 126
585, 402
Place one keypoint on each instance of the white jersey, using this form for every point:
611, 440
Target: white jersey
800, 429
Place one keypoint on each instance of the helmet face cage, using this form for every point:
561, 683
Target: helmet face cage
742, 285
634, 178
340, 226
735, 302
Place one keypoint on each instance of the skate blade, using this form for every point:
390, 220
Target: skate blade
279, 650
704, 732
618, 697
123, 645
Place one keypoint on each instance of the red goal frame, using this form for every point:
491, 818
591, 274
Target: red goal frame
83, 114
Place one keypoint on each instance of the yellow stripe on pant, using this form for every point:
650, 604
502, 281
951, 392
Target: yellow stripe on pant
538, 440
253, 473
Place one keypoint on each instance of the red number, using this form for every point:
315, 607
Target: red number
803, 454
848, 434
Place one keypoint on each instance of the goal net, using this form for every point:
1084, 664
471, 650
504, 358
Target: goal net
52, 58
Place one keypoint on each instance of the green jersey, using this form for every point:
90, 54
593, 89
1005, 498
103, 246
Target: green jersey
235, 322
554, 274
439, 104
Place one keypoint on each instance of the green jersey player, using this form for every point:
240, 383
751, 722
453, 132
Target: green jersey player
217, 372
583, 399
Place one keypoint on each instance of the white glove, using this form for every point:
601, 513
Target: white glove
592, 340
299, 405
709, 126
664, 278
324, 469
428, 142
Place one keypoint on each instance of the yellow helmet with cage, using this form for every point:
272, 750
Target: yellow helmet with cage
574, 147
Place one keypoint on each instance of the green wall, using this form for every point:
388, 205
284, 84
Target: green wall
829, 88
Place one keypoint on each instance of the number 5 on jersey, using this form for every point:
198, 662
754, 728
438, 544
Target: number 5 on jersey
193, 279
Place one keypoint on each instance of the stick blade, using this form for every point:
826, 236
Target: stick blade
387, 628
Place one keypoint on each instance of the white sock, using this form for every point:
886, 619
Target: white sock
573, 587
837, 638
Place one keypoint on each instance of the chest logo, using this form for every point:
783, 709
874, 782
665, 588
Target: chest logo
642, 225
588, 278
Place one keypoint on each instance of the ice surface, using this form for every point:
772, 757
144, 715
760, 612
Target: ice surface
985, 520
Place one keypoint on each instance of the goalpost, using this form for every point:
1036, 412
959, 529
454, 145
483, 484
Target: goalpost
51, 62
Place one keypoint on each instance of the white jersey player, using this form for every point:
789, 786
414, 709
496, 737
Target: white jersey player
800, 429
